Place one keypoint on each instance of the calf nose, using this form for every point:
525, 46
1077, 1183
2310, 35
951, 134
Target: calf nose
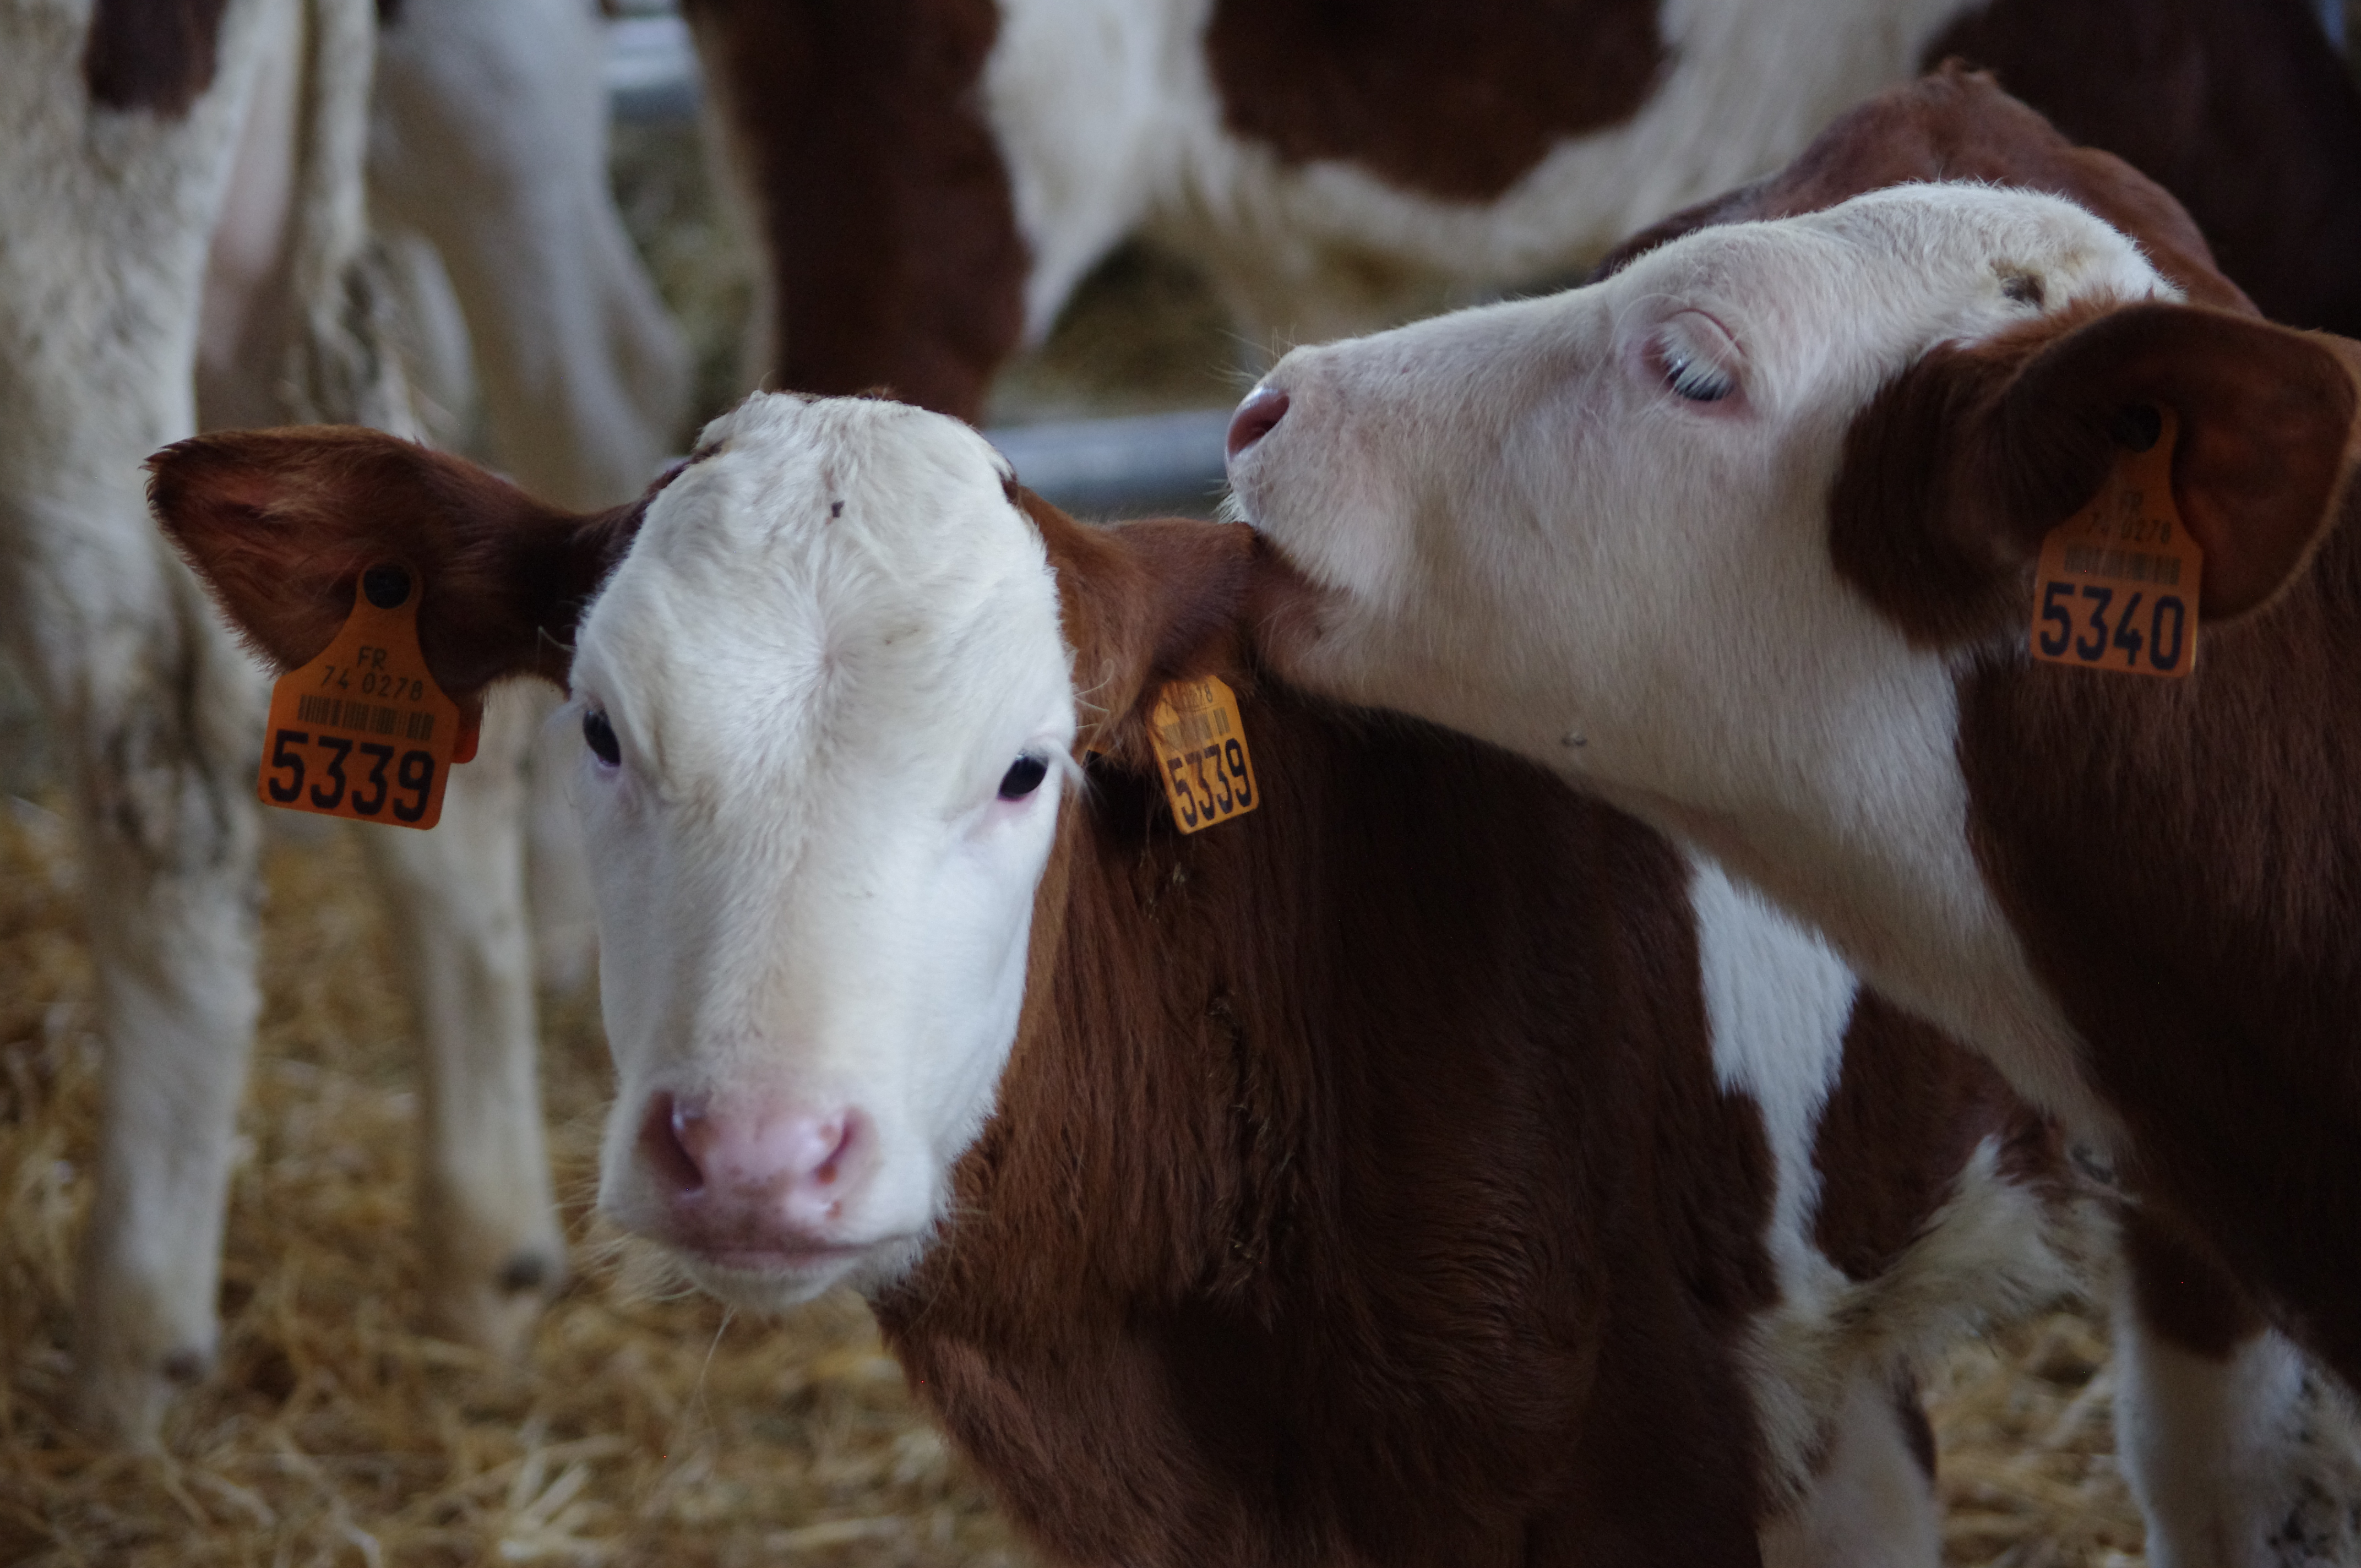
771, 1173
1264, 408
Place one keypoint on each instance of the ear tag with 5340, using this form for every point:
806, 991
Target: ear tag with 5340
1201, 752
362, 731
2116, 588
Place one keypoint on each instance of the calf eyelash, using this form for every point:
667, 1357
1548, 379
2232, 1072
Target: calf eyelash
1691, 379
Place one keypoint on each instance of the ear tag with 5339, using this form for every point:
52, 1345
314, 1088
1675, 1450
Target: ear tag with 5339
362, 731
2116, 588
1201, 752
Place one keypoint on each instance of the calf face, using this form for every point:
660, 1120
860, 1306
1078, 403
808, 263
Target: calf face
819, 784
829, 692
1560, 522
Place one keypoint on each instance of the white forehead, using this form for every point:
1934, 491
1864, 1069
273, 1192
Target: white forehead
1884, 258
839, 563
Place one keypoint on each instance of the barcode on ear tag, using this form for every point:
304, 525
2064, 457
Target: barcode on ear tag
1200, 750
2116, 588
363, 731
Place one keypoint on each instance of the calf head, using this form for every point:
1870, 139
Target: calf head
830, 677
1713, 532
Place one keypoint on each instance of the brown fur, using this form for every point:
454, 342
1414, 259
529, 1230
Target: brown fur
157, 55
2238, 107
1459, 100
1359, 1192
884, 207
1957, 124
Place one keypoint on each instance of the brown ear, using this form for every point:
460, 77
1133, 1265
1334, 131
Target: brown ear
1958, 470
1144, 603
281, 523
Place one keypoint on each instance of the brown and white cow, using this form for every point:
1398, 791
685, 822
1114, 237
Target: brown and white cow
1427, 1167
182, 238
1742, 536
929, 178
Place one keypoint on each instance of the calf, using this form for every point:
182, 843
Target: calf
1429, 1165
1742, 536
929, 178
181, 193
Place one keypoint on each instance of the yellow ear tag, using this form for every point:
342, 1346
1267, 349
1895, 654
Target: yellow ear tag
2116, 588
363, 731
1201, 749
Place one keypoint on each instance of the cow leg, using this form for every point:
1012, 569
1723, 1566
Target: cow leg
491, 139
1871, 1502
487, 1216
2241, 1453
154, 708
109, 207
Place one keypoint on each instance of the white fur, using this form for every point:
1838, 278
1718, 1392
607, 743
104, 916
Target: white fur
1531, 537
1871, 1506
830, 642
1109, 122
2244, 1462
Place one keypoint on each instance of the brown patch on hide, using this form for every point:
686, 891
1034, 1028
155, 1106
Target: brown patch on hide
1908, 1111
158, 55
1957, 124
1458, 100
883, 203
1359, 1189
281, 523
2242, 111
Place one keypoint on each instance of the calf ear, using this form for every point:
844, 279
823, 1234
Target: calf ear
2266, 431
1144, 603
281, 523
1956, 473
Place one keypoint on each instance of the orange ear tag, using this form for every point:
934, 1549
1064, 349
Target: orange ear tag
2116, 588
1201, 749
363, 731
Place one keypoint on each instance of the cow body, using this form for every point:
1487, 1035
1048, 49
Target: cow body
181, 193
928, 180
1753, 555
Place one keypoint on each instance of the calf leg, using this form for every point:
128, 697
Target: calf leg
1871, 1502
491, 141
2241, 1453
487, 1216
108, 212
157, 729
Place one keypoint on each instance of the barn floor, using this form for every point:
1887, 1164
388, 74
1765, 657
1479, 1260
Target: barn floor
644, 1429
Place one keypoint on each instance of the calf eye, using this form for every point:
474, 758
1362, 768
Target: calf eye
1023, 777
1696, 381
599, 736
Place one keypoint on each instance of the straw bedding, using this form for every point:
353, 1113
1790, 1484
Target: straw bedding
645, 1429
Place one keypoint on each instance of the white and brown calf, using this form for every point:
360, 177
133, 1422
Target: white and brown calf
1742, 537
180, 196
1429, 1166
